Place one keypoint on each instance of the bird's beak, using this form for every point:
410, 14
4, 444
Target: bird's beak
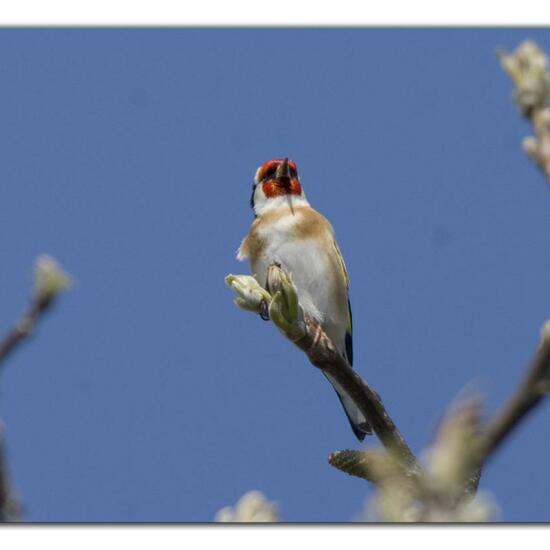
283, 172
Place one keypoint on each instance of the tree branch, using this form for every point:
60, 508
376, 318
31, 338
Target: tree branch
322, 354
286, 313
528, 69
49, 281
24, 327
449, 480
10, 508
534, 388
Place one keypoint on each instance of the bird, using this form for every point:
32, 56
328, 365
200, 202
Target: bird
287, 231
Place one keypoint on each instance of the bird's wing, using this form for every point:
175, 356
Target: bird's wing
359, 423
349, 328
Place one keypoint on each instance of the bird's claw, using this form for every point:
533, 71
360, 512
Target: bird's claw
264, 310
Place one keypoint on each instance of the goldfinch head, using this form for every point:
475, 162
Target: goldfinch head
276, 182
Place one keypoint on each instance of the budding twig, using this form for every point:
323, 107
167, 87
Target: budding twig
534, 388
307, 334
10, 508
49, 280
528, 69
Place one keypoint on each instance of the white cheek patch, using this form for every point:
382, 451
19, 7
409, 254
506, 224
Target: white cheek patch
259, 199
257, 175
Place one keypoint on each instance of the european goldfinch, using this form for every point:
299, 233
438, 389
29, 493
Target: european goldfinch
288, 231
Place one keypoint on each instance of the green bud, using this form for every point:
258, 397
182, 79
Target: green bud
250, 294
49, 277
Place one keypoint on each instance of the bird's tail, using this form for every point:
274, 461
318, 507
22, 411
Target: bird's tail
359, 424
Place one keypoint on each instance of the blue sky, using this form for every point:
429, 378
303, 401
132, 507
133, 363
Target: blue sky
129, 155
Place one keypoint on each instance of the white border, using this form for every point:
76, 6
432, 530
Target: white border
279, 13
274, 13
268, 537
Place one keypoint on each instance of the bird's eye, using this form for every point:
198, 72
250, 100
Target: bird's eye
269, 173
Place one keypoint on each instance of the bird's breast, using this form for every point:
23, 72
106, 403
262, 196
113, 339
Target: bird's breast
311, 258
308, 265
